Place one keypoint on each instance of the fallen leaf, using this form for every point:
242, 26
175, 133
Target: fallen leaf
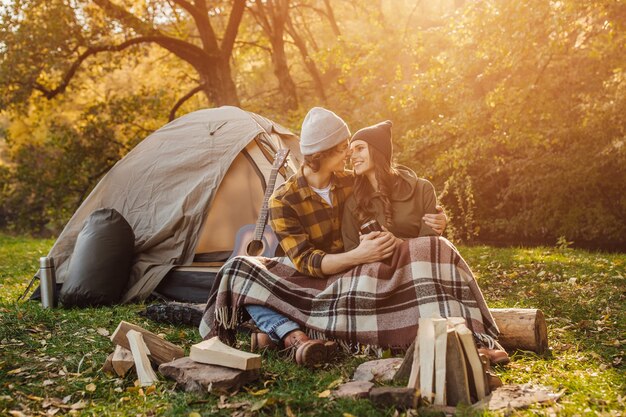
194, 414
150, 390
47, 382
260, 392
335, 383
102, 331
289, 412
15, 372
79, 405
17, 413
258, 405
66, 399
324, 394
348, 415
90, 387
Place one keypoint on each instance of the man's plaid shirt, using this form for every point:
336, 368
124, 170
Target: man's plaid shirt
306, 226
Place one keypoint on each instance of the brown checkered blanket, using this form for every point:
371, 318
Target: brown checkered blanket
375, 304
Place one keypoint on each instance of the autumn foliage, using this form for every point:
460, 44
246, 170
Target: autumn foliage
513, 109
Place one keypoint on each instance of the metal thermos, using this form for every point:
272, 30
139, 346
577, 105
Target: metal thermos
48, 282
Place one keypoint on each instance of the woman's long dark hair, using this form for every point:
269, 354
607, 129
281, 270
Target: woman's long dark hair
386, 175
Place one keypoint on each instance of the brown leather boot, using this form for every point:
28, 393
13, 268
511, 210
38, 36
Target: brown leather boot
308, 352
496, 356
260, 341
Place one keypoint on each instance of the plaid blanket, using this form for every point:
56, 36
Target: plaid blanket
375, 304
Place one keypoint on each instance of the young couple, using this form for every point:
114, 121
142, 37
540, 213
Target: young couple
339, 285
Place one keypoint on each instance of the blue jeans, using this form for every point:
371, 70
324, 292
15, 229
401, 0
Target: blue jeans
268, 321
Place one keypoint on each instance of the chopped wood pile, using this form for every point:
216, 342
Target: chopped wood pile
443, 366
211, 365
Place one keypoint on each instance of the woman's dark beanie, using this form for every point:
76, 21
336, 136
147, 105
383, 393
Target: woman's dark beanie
377, 136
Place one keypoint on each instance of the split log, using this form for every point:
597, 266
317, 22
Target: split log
404, 371
214, 352
474, 364
192, 376
122, 360
521, 328
426, 348
140, 353
457, 383
161, 350
441, 341
108, 364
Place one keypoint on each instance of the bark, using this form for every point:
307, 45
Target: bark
330, 15
309, 63
272, 17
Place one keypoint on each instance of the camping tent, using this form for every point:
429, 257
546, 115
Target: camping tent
186, 190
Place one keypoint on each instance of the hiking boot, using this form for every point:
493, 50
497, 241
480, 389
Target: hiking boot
260, 341
493, 380
496, 356
309, 352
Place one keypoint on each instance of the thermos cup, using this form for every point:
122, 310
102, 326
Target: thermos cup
371, 226
48, 282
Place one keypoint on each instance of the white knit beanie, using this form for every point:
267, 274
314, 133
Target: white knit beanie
321, 130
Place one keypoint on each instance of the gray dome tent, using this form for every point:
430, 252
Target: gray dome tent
186, 190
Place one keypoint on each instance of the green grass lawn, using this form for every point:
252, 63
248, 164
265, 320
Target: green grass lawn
50, 359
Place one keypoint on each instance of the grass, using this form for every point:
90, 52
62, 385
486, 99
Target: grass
50, 359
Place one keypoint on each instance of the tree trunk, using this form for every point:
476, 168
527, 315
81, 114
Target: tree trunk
272, 16
309, 64
281, 70
219, 86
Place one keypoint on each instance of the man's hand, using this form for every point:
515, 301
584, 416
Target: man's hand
438, 221
375, 246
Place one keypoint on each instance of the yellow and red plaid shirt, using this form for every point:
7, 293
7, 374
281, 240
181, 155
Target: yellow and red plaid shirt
306, 226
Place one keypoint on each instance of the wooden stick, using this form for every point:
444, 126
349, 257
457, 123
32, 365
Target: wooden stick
161, 350
140, 353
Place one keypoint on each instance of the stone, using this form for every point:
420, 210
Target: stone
353, 389
381, 370
201, 378
517, 396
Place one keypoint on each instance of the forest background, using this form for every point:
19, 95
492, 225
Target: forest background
515, 110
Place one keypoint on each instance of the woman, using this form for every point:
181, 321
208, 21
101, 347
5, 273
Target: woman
392, 195
350, 296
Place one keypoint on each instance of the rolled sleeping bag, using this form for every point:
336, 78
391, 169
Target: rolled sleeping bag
100, 265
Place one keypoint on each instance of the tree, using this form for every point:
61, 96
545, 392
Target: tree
83, 29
